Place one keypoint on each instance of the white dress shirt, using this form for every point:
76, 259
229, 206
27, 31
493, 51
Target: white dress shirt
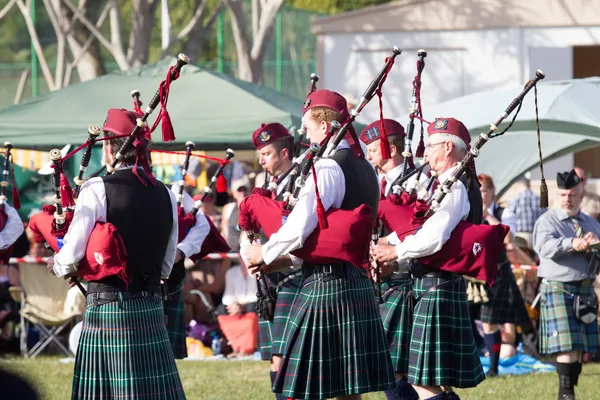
192, 242
303, 220
395, 172
240, 287
12, 229
509, 218
437, 229
91, 208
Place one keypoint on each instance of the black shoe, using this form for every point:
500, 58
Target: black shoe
566, 397
491, 374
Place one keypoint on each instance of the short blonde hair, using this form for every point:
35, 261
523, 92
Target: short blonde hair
326, 114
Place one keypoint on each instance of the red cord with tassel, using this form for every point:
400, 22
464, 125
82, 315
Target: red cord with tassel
221, 185
320, 209
384, 143
66, 193
15, 191
168, 133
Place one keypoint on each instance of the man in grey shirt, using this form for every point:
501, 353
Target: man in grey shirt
563, 238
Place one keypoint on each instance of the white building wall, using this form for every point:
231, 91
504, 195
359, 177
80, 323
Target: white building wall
458, 63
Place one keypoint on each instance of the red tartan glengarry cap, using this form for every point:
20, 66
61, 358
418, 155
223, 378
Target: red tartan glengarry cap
121, 121
268, 133
450, 126
326, 98
373, 131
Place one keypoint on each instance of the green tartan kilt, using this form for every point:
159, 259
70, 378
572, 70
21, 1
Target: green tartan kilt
442, 347
396, 314
271, 335
285, 298
124, 352
506, 304
265, 328
175, 312
335, 344
560, 331
265, 339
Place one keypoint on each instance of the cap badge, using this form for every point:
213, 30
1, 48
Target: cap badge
264, 136
306, 103
441, 124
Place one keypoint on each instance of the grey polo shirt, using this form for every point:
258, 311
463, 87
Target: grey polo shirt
552, 240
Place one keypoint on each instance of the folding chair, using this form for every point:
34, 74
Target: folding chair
49, 304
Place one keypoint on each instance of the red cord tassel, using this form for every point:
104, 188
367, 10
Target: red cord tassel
421, 147
221, 184
15, 191
66, 193
320, 209
168, 135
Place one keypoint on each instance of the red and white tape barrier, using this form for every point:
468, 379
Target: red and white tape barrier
43, 260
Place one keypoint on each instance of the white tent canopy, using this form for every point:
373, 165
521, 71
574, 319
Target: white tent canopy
569, 121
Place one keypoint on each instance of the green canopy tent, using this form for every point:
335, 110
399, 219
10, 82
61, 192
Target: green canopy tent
213, 110
569, 122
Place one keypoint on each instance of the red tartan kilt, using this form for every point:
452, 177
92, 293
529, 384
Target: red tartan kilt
213, 243
471, 250
105, 254
7, 252
346, 239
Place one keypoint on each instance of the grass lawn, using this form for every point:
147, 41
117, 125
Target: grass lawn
249, 380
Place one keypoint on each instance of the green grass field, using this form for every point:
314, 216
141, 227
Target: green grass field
248, 380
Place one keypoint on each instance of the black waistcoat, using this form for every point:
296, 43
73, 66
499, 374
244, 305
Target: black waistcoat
362, 186
144, 217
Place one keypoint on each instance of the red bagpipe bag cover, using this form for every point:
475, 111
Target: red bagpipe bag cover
346, 238
471, 250
105, 254
214, 241
7, 252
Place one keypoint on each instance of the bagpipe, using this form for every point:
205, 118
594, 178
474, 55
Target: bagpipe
214, 241
472, 249
106, 254
8, 168
341, 235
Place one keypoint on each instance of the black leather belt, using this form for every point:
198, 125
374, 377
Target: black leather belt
329, 272
396, 277
584, 283
100, 298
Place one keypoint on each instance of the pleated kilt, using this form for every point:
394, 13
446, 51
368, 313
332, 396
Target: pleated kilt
560, 331
396, 314
442, 347
506, 304
265, 328
175, 312
288, 289
272, 334
124, 352
335, 342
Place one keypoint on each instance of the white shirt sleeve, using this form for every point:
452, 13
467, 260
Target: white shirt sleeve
169, 259
438, 228
192, 243
509, 219
303, 220
12, 229
89, 209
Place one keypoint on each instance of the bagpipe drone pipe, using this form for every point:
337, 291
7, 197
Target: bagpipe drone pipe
341, 235
8, 170
106, 254
472, 249
214, 241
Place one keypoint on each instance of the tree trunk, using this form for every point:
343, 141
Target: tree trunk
91, 62
141, 31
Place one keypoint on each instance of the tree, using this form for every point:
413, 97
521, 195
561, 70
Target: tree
250, 56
